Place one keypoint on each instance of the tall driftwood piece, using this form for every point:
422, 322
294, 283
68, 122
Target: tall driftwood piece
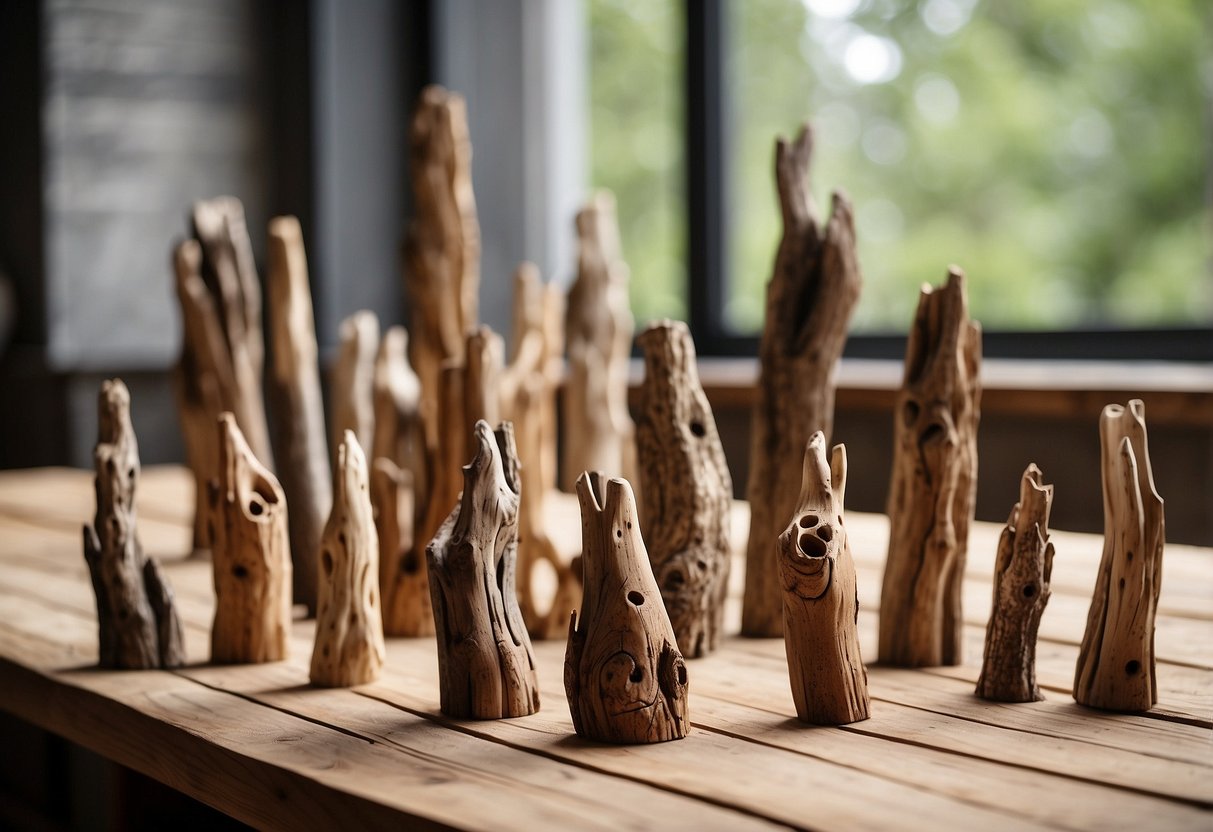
294, 383
349, 647
137, 619
813, 290
354, 380
686, 491
486, 669
820, 599
250, 553
625, 678
396, 395
1116, 661
1022, 568
934, 482
442, 248
598, 431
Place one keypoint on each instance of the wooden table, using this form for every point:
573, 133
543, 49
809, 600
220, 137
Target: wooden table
259, 743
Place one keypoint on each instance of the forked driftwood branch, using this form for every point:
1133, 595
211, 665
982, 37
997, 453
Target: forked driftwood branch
137, 619
486, 669
686, 491
1116, 661
625, 678
1022, 569
813, 290
934, 482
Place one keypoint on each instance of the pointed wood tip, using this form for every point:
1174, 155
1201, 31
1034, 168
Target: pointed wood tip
285, 229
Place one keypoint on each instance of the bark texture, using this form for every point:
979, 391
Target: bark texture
813, 290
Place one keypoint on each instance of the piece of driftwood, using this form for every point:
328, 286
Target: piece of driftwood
396, 393
486, 669
250, 553
686, 491
403, 578
1022, 568
1116, 661
820, 599
349, 647
625, 678
294, 384
442, 248
598, 431
813, 289
138, 625
353, 381
934, 482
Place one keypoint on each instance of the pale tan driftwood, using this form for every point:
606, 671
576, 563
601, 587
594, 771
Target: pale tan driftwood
251, 554
1023, 566
598, 431
934, 482
399, 432
294, 383
820, 599
485, 664
349, 647
137, 622
442, 249
686, 491
1116, 663
625, 678
813, 290
403, 580
353, 381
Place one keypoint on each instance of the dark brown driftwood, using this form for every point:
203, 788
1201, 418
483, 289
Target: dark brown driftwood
349, 646
686, 491
934, 482
813, 290
1116, 662
137, 621
251, 554
625, 679
820, 599
598, 432
486, 668
1022, 568
294, 383
353, 381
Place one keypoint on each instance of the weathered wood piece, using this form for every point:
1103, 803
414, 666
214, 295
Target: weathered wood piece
349, 648
686, 491
1023, 567
934, 482
250, 553
442, 248
820, 598
403, 578
399, 432
1115, 668
353, 381
294, 384
137, 622
598, 431
624, 676
485, 664
813, 290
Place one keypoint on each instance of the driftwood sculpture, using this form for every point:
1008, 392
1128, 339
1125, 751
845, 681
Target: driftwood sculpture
349, 646
1116, 662
353, 380
399, 433
598, 432
403, 578
813, 290
625, 679
820, 599
686, 491
485, 665
251, 555
442, 249
1022, 569
137, 620
303, 460
934, 482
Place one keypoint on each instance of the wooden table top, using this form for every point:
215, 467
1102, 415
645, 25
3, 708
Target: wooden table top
259, 743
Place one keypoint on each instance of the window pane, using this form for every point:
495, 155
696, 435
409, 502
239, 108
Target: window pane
636, 142
1057, 151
